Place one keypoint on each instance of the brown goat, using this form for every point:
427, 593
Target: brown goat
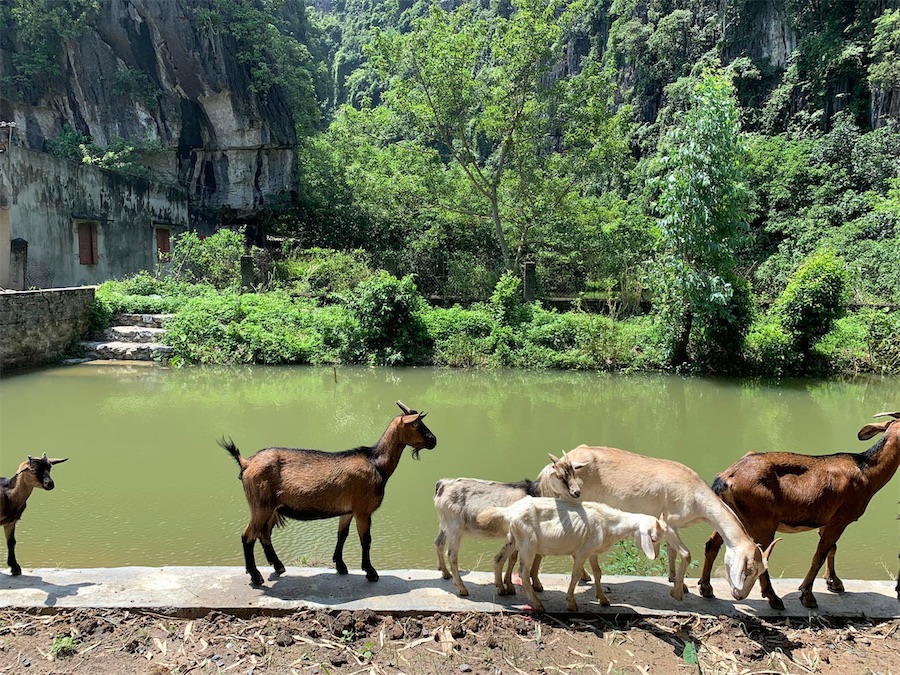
282, 483
785, 492
14, 492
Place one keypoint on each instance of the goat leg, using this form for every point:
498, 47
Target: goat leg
601, 596
343, 533
834, 584
673, 541
713, 546
266, 543
364, 528
535, 568
249, 561
10, 531
508, 550
526, 559
828, 537
440, 541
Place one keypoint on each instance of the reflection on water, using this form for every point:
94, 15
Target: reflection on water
148, 485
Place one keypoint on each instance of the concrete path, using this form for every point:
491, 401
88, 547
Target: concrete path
192, 591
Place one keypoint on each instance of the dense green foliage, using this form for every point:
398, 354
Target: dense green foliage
697, 157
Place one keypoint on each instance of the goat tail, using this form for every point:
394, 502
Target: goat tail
232, 450
492, 519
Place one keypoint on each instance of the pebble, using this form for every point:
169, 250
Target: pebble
465, 668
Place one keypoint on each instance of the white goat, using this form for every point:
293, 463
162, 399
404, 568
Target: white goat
544, 526
641, 484
459, 501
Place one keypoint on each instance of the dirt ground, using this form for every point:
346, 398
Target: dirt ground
101, 642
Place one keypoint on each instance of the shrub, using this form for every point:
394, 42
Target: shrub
813, 300
215, 260
389, 312
508, 303
769, 349
324, 271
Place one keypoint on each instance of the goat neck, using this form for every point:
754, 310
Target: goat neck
879, 463
387, 451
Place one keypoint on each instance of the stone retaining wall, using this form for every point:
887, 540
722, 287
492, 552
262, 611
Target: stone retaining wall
37, 327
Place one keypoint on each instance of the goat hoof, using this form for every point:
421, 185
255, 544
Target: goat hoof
372, 575
678, 594
341, 568
16, 571
279, 569
776, 603
809, 601
538, 588
835, 586
445, 575
463, 592
256, 579
706, 591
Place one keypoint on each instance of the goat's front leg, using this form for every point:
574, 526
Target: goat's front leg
828, 537
673, 541
10, 531
834, 584
713, 546
364, 528
343, 533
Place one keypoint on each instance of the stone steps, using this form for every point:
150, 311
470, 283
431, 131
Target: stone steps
133, 337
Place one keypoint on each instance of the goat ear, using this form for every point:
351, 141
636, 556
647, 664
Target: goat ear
409, 419
648, 546
871, 430
58, 461
578, 465
768, 550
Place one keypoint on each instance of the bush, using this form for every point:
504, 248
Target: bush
769, 349
215, 260
267, 328
323, 271
389, 312
508, 302
813, 300
144, 294
863, 342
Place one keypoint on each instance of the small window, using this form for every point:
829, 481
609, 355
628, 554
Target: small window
163, 243
87, 243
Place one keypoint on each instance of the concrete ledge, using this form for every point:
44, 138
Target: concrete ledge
193, 591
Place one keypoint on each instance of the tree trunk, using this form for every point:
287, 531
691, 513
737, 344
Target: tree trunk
682, 340
498, 229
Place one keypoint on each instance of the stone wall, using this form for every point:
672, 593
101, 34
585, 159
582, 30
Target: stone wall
37, 327
47, 197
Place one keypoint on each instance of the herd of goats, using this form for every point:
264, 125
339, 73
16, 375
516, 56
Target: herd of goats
578, 506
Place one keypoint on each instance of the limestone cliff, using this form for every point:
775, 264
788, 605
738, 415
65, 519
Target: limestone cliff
233, 148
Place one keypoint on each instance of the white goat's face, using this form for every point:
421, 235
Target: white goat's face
562, 479
648, 539
742, 572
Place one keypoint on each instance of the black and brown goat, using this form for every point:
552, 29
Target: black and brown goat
282, 483
785, 492
14, 493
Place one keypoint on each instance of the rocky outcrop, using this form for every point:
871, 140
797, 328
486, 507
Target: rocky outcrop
157, 71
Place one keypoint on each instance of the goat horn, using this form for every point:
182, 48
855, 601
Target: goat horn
58, 461
895, 415
44, 456
769, 548
403, 407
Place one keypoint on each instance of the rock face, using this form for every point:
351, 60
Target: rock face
156, 71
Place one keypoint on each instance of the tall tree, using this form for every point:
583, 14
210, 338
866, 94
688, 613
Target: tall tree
703, 210
484, 92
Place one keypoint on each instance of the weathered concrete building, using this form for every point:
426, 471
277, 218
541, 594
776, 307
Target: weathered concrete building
64, 223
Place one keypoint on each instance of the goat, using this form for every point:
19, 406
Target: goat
14, 492
282, 483
640, 484
786, 492
544, 526
459, 501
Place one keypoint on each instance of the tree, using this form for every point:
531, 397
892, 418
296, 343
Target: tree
703, 210
484, 95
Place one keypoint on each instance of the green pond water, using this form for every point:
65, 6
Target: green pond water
147, 484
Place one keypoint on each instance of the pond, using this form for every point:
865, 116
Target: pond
147, 483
